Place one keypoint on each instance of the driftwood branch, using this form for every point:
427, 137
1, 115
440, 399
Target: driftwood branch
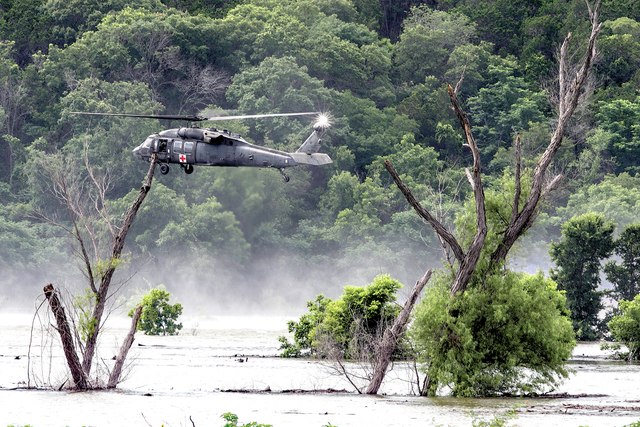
391, 335
114, 377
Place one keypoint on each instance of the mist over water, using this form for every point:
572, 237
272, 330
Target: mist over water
270, 284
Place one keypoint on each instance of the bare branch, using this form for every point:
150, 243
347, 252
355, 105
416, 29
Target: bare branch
391, 335
516, 194
437, 226
470, 178
470, 261
570, 93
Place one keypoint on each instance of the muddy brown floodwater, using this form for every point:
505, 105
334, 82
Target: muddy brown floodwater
175, 381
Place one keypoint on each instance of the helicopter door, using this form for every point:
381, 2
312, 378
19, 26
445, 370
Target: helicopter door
177, 155
189, 151
161, 148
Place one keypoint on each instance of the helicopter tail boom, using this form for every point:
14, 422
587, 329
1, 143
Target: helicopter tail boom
315, 159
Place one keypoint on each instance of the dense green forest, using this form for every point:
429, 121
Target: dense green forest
378, 68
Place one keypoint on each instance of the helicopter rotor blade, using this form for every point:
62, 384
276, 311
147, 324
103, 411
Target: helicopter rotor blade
256, 116
193, 118
143, 116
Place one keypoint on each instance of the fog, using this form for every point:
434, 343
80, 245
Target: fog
271, 284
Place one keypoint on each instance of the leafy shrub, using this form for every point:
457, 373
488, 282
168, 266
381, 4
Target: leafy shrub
512, 337
232, 421
158, 316
626, 327
360, 311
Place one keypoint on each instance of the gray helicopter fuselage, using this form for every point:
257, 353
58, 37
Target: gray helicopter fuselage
213, 147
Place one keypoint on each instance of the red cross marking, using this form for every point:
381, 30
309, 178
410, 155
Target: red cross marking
183, 158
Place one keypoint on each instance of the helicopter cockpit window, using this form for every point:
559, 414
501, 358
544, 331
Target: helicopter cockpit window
162, 146
188, 147
177, 147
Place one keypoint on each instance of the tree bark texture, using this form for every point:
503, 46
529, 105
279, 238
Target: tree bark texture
77, 373
114, 377
118, 245
391, 335
470, 262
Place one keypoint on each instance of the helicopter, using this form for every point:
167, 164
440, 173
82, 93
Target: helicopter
195, 146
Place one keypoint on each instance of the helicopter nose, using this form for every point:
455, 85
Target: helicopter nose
136, 153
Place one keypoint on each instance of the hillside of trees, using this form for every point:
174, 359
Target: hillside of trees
378, 68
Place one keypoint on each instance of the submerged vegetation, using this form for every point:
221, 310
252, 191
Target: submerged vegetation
158, 316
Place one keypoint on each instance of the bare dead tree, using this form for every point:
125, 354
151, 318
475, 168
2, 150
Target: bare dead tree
157, 57
570, 90
14, 102
106, 276
84, 211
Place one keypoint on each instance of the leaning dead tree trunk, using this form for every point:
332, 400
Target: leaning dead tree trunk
571, 88
114, 378
77, 373
391, 335
118, 245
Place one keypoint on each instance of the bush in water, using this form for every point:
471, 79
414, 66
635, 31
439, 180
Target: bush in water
158, 316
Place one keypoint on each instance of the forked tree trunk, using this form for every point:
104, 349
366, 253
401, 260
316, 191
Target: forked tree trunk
570, 88
391, 335
118, 245
77, 373
114, 378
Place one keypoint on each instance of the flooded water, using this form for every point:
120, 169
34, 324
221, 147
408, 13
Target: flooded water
185, 380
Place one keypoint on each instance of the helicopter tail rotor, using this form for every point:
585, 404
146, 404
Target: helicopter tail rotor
314, 142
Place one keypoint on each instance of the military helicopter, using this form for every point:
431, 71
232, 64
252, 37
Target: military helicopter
193, 146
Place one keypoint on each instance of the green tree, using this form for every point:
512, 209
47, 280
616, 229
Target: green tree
370, 129
427, 40
304, 330
626, 327
504, 107
625, 276
278, 85
70, 19
617, 197
588, 239
620, 119
158, 316
512, 336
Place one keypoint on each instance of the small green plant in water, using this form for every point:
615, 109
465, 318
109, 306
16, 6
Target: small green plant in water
498, 420
232, 421
158, 316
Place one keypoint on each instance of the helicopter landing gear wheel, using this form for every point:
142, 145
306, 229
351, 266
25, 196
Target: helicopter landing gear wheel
284, 176
164, 168
188, 169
